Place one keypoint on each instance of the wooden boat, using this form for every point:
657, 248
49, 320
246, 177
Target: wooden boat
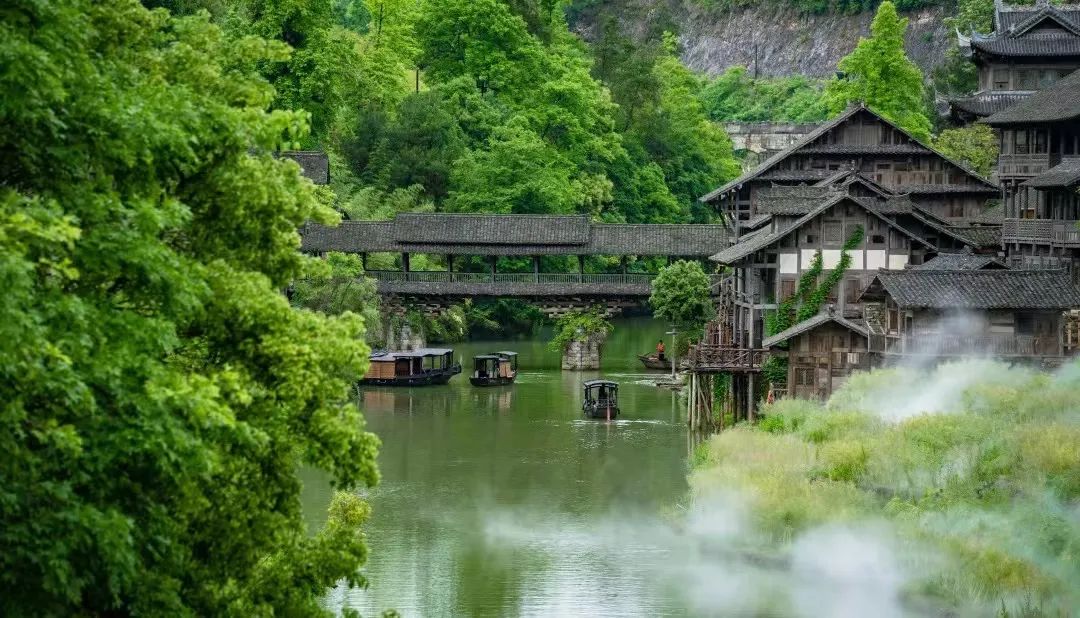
601, 399
422, 367
495, 369
651, 361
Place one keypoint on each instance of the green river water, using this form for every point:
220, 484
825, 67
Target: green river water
506, 501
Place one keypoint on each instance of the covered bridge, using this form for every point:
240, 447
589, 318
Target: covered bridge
522, 236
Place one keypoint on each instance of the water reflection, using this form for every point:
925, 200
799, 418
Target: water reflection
492, 498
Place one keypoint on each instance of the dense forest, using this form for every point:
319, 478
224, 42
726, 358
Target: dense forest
498, 106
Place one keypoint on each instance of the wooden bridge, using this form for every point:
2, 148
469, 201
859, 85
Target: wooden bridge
454, 237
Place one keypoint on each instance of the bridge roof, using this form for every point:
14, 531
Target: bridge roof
506, 235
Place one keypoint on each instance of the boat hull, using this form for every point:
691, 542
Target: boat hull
431, 378
491, 381
652, 362
600, 413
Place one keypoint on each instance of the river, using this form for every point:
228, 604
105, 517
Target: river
506, 501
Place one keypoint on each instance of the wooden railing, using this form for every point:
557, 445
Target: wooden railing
1023, 164
724, 358
1056, 232
941, 344
459, 277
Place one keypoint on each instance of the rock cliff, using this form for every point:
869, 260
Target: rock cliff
779, 40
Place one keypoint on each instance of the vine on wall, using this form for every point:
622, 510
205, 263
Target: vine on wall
806, 302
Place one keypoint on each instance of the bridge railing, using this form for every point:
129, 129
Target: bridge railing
396, 276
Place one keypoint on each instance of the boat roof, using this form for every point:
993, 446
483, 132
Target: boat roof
589, 383
505, 353
420, 353
486, 357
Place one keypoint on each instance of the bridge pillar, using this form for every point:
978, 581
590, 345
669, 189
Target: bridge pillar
583, 355
405, 265
536, 268
492, 261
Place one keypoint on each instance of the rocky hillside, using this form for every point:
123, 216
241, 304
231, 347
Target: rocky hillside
786, 41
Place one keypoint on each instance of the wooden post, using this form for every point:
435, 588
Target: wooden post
580, 268
751, 401
450, 265
363, 261
536, 268
405, 265
493, 259
622, 263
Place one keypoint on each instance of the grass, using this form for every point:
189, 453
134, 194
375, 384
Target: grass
975, 463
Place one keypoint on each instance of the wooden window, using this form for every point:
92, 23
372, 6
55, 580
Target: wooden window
897, 240
1001, 79
877, 239
787, 288
804, 376
852, 290
810, 239
834, 232
902, 166
1021, 142
839, 341
1039, 147
956, 208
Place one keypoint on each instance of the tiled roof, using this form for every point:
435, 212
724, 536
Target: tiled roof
1029, 46
980, 235
1064, 175
960, 261
866, 149
980, 289
986, 103
1057, 103
812, 323
764, 171
437, 228
990, 216
935, 189
751, 243
1012, 17
656, 239
599, 239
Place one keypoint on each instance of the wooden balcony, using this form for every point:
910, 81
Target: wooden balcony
942, 344
1023, 165
724, 359
1051, 232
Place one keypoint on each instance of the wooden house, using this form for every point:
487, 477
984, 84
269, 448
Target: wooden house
822, 353
1039, 168
1012, 314
884, 155
858, 174
1031, 48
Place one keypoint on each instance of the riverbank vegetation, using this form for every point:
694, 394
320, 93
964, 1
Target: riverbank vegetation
158, 391
970, 473
681, 294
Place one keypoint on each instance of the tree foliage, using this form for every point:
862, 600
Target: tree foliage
975, 146
158, 392
879, 74
735, 96
579, 326
681, 295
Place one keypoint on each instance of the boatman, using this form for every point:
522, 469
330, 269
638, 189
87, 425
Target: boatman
660, 349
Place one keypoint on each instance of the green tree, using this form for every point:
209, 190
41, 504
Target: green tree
975, 146
879, 74
157, 392
681, 295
